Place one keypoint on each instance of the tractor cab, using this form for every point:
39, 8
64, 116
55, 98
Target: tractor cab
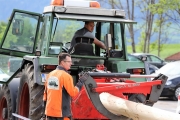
41, 37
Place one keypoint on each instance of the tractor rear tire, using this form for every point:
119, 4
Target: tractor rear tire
139, 98
30, 95
8, 95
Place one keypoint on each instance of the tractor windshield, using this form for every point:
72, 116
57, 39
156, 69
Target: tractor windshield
63, 31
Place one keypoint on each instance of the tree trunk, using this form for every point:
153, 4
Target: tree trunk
150, 27
159, 36
131, 30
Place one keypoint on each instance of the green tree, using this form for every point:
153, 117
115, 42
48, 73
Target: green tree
69, 30
2, 29
147, 22
161, 22
10, 38
28, 32
65, 30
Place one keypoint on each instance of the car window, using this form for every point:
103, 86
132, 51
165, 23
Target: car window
132, 58
148, 58
155, 59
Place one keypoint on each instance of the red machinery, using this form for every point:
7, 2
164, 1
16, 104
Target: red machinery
90, 106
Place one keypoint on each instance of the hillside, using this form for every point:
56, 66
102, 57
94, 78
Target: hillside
6, 7
167, 50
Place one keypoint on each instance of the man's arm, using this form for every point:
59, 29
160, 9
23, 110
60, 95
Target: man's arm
69, 86
99, 43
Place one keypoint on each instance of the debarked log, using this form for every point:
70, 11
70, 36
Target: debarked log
136, 111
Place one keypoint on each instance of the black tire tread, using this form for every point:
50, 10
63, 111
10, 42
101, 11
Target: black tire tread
35, 92
5, 92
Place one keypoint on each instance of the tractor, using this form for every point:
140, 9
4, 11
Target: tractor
39, 38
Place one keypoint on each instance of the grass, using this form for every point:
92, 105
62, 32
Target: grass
167, 50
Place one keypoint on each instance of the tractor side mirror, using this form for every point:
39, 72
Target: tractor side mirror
17, 27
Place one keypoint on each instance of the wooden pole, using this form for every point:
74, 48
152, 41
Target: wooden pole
136, 111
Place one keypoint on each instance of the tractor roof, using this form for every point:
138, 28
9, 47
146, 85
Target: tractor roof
88, 13
85, 10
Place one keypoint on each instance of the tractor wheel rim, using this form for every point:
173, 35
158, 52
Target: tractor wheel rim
24, 101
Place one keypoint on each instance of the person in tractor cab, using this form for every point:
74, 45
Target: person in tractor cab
86, 31
59, 89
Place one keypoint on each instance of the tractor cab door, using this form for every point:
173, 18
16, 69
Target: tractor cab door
21, 34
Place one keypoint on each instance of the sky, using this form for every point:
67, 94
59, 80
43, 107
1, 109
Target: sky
7, 6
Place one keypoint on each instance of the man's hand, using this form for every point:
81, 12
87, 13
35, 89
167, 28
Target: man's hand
82, 80
99, 43
82, 77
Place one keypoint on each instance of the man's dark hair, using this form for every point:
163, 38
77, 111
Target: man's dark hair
87, 22
62, 56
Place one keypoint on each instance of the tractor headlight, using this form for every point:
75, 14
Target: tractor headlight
168, 82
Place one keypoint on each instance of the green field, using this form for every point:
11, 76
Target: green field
167, 50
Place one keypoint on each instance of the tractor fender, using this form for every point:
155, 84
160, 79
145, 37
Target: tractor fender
13, 86
37, 73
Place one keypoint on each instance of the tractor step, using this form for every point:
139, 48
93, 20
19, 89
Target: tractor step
19, 116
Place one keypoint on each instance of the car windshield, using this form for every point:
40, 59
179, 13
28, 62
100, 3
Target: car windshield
170, 69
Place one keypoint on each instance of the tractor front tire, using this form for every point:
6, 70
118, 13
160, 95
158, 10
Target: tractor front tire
5, 103
30, 95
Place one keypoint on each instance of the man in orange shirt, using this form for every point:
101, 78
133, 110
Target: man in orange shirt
59, 89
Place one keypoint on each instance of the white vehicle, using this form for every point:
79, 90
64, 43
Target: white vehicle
3, 75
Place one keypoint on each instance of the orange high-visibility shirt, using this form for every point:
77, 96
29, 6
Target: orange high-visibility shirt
59, 88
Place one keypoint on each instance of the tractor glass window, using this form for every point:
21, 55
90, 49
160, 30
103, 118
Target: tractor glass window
105, 29
117, 36
44, 34
21, 34
115, 30
63, 32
